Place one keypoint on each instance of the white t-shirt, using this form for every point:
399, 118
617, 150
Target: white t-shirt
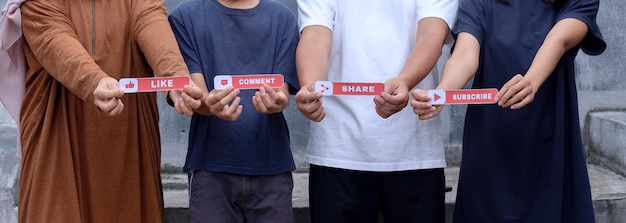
371, 42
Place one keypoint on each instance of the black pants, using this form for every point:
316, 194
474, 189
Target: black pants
338, 195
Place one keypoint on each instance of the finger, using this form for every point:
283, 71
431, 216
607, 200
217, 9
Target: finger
258, 103
378, 100
523, 96
106, 105
421, 95
235, 112
218, 95
382, 114
177, 106
178, 103
210, 99
193, 91
381, 109
233, 107
217, 100
108, 94
382, 104
308, 107
515, 94
505, 96
192, 102
431, 114
421, 107
312, 110
268, 101
425, 116
276, 95
118, 109
230, 96
527, 100
394, 103
303, 96
506, 86
184, 107
317, 115
386, 107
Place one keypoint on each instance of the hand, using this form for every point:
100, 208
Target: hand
217, 102
270, 100
107, 96
393, 99
188, 100
516, 93
421, 105
309, 103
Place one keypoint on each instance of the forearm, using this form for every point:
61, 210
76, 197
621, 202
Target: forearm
312, 54
457, 72
462, 64
564, 35
430, 38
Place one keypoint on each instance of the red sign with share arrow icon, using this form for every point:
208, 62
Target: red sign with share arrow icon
148, 84
349, 88
463, 96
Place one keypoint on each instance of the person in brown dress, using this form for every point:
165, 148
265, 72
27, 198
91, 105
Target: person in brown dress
90, 152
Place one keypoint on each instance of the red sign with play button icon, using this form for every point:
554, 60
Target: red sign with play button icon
463, 96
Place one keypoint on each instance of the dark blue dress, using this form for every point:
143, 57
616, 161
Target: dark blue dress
524, 165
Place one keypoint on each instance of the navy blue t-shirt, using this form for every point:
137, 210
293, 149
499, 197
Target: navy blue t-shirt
524, 165
216, 40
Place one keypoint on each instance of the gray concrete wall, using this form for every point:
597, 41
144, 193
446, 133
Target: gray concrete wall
9, 168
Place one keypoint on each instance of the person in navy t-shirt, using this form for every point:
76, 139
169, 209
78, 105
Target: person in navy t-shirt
239, 158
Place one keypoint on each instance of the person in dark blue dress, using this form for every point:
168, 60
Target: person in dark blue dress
523, 158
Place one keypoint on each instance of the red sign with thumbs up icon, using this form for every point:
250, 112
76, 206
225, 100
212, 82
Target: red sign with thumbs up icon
147, 84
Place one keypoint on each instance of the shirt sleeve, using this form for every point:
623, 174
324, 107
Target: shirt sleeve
471, 19
316, 12
285, 60
443, 9
586, 11
49, 34
156, 39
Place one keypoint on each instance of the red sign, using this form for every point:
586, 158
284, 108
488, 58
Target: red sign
463, 96
148, 84
251, 81
349, 88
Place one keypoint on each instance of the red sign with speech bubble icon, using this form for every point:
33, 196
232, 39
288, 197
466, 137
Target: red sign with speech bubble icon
248, 81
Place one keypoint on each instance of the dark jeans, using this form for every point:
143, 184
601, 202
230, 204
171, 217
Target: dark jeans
223, 197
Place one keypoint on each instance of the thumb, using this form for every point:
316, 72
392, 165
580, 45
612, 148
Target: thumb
108, 94
421, 95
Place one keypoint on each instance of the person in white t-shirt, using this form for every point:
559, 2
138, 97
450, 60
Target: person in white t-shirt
372, 155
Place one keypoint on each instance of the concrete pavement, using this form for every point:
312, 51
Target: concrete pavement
608, 190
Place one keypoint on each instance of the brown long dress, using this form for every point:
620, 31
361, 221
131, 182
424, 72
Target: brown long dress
80, 165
